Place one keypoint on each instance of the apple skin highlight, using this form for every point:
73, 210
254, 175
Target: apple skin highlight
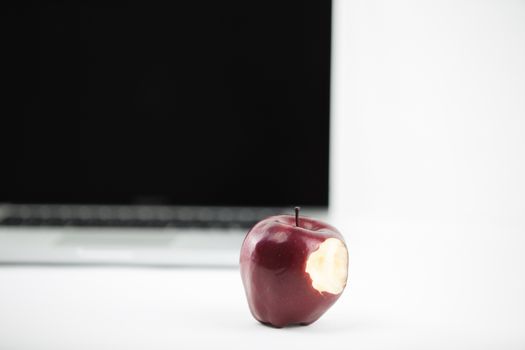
273, 262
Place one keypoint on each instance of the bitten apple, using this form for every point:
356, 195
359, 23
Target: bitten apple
293, 269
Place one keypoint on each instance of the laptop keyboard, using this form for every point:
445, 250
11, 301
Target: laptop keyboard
17, 221
134, 217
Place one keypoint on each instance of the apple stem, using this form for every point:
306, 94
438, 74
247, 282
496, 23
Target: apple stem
297, 215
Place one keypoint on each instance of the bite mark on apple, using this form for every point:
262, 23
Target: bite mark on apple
328, 266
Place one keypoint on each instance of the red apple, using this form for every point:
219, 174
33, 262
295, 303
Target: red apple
293, 269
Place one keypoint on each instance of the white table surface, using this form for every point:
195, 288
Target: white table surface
413, 285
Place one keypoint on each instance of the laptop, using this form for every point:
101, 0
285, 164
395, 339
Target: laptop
159, 132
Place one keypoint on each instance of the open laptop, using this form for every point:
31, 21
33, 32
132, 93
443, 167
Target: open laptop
158, 132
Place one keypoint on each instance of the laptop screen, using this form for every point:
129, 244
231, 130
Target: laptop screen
166, 102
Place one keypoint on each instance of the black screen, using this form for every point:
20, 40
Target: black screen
172, 102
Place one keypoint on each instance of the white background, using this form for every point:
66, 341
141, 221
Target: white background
428, 174
429, 109
429, 168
